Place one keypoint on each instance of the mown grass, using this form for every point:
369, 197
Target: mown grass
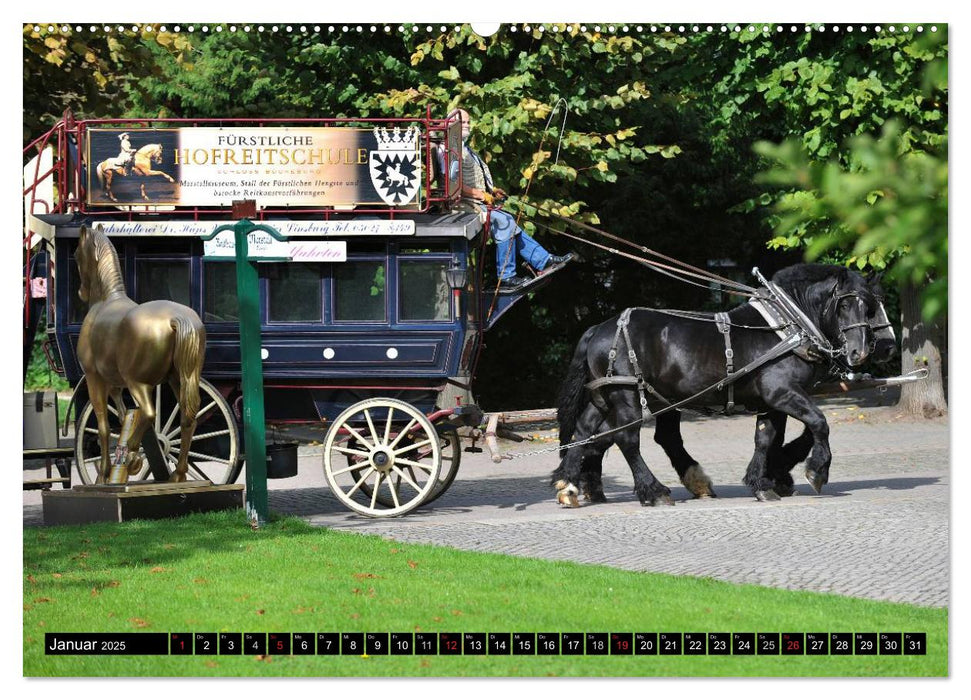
212, 573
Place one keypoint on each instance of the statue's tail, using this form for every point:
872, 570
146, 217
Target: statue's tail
190, 345
572, 389
101, 174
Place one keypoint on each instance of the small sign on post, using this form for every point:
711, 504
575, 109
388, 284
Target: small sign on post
254, 419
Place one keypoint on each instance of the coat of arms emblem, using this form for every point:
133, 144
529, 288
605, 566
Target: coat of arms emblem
396, 166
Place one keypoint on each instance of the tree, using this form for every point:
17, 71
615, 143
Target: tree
875, 202
94, 74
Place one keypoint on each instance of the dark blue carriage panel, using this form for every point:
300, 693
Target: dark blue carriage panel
376, 354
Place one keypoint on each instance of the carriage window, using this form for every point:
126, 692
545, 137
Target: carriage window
294, 291
162, 279
79, 309
220, 303
423, 291
359, 291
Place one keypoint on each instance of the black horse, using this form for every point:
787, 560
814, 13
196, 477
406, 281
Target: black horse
781, 457
681, 357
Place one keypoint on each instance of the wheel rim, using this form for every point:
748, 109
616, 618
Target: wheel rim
394, 453
213, 454
451, 457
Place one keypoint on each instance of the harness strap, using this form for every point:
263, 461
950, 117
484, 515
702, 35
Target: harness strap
638, 379
724, 325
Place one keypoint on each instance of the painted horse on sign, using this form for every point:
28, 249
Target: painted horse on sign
124, 345
141, 165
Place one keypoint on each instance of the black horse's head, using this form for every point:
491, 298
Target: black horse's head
885, 341
839, 301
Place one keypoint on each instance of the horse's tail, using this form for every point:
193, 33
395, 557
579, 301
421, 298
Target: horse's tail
190, 343
571, 391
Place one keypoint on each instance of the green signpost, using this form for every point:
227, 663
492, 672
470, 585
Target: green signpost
248, 296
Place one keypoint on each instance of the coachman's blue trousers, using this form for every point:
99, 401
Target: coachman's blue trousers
511, 241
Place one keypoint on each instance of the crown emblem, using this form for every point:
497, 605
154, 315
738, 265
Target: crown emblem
395, 139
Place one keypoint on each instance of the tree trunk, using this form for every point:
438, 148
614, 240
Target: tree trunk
921, 344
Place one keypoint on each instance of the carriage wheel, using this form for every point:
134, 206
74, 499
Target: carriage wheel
451, 448
394, 451
214, 455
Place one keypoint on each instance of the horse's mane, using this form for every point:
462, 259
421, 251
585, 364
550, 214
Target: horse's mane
109, 267
799, 281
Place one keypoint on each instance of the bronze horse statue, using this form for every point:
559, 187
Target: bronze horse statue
141, 165
134, 346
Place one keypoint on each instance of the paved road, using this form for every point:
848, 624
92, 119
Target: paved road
880, 529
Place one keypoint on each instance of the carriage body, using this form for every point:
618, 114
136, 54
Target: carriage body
382, 300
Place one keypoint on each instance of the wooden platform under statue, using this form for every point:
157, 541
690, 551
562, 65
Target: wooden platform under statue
146, 500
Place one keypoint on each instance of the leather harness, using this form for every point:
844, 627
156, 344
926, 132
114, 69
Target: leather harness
797, 333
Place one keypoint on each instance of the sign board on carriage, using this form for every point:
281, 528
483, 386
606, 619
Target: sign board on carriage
276, 166
289, 229
264, 247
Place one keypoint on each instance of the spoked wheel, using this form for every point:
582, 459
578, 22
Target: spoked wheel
214, 454
451, 448
393, 457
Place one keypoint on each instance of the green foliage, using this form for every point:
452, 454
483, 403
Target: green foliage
882, 201
885, 209
39, 374
657, 146
94, 74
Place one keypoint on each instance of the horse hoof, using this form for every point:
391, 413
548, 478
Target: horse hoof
568, 499
664, 500
595, 497
768, 495
815, 480
784, 491
135, 465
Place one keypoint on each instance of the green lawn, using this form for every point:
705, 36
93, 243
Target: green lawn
212, 573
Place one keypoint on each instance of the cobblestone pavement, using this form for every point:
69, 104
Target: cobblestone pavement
880, 529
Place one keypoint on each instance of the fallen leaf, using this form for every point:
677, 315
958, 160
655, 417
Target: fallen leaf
424, 663
366, 575
261, 612
31, 579
264, 657
168, 546
200, 581
139, 622
412, 564
85, 541
395, 550
212, 664
436, 619
57, 575
113, 584
94, 592
354, 616
456, 612
43, 600
356, 591
157, 570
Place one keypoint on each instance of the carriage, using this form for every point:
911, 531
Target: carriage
372, 313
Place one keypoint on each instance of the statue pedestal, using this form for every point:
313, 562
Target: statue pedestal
145, 500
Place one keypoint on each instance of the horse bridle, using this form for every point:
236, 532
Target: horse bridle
835, 300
